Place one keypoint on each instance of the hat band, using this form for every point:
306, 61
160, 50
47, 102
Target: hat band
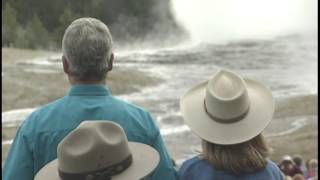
101, 174
222, 120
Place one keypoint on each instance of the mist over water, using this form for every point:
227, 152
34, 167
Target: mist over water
218, 21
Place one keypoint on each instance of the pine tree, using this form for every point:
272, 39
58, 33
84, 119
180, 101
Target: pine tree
64, 20
37, 36
9, 25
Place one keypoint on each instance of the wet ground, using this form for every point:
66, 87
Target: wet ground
288, 65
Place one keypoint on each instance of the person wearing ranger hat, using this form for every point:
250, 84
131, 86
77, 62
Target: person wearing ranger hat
87, 58
99, 150
229, 113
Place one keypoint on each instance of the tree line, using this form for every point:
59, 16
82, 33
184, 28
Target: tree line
40, 24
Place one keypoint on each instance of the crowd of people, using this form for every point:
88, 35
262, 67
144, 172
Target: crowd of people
295, 168
91, 135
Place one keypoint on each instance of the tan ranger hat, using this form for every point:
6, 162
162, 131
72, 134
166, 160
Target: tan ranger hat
99, 150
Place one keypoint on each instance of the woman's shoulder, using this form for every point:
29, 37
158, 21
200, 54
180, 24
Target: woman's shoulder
194, 168
274, 170
272, 165
194, 161
197, 167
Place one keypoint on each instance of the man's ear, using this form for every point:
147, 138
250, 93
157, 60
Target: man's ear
65, 64
110, 65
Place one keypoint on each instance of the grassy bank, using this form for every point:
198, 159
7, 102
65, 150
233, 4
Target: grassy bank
303, 141
12, 55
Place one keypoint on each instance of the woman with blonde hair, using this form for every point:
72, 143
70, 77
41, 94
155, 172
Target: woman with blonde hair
229, 113
312, 166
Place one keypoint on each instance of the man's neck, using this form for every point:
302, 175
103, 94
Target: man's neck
88, 82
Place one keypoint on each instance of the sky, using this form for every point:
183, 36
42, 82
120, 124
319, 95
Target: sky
220, 20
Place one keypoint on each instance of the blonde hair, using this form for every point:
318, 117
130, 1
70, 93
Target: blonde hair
287, 178
239, 158
298, 177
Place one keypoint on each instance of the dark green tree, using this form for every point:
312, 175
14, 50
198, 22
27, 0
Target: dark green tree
9, 25
128, 20
36, 35
64, 20
20, 40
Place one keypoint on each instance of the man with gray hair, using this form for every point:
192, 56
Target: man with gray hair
87, 57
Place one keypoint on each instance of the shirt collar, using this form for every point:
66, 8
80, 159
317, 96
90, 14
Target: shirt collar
89, 90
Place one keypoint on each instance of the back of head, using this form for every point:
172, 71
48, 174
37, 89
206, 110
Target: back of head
249, 156
297, 159
87, 45
298, 177
313, 163
288, 178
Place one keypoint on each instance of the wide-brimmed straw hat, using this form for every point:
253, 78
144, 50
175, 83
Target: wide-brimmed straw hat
99, 150
227, 109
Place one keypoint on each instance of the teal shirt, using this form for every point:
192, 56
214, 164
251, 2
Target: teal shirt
37, 139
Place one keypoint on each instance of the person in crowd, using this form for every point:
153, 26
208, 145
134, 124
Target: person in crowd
101, 152
87, 58
288, 178
288, 167
229, 113
299, 162
298, 177
312, 169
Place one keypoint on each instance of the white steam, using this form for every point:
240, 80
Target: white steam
221, 20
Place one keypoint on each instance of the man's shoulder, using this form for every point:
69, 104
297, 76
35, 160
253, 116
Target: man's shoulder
49, 106
115, 101
130, 105
38, 112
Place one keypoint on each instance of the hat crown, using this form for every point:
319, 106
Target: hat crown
226, 85
93, 145
287, 157
226, 97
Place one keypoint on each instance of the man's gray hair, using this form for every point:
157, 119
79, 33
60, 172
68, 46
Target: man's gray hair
87, 45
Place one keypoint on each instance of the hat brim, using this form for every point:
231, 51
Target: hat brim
144, 160
256, 120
